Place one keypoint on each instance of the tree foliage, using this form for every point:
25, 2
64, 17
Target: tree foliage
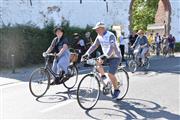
143, 13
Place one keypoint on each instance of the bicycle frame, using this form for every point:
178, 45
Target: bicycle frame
95, 71
46, 67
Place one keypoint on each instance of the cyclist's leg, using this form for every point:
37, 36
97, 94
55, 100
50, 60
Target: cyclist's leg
100, 68
54, 69
144, 51
63, 62
113, 65
54, 66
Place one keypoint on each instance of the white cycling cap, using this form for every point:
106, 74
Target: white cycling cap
98, 25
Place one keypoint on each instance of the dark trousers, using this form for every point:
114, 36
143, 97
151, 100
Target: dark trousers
122, 51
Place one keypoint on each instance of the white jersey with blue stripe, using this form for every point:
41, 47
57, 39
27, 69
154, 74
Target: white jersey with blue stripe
108, 44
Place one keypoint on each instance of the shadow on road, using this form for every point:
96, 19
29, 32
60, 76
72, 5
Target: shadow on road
131, 108
58, 96
51, 99
159, 64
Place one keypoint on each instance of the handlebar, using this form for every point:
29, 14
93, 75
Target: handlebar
92, 61
48, 54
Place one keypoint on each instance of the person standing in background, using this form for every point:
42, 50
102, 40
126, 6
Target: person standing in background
122, 44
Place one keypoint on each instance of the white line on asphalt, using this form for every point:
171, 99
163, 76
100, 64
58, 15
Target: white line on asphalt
57, 106
1, 104
13, 84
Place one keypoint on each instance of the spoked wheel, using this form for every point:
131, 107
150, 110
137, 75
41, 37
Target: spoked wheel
123, 83
88, 92
73, 77
39, 82
132, 66
146, 64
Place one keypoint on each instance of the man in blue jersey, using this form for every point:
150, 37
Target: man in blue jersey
110, 49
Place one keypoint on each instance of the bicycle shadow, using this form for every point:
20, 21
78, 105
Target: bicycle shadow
57, 97
71, 93
51, 99
131, 108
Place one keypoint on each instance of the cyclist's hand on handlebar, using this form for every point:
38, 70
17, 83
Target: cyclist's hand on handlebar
44, 54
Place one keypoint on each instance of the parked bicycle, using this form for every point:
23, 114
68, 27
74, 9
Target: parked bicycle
88, 91
136, 63
40, 78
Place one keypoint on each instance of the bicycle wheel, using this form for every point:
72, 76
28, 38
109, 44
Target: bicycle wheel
132, 66
88, 92
147, 64
123, 82
71, 82
39, 82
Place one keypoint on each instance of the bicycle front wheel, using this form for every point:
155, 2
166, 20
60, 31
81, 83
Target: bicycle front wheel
123, 82
88, 91
132, 66
146, 64
39, 82
73, 77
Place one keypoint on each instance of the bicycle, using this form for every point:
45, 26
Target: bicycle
136, 62
40, 78
88, 91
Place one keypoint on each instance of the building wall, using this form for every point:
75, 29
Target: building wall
88, 13
175, 19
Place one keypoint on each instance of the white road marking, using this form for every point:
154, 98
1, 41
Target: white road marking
57, 106
12, 85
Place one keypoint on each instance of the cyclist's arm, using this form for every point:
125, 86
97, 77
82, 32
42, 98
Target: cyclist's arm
93, 47
113, 47
65, 47
61, 51
145, 42
136, 42
51, 47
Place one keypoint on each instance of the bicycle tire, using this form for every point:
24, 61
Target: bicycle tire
39, 82
147, 64
71, 82
123, 82
132, 66
88, 92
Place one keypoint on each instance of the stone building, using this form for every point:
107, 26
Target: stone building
87, 12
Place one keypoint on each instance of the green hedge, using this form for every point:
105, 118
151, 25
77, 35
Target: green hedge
177, 47
27, 42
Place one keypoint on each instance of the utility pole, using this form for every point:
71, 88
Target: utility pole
30, 2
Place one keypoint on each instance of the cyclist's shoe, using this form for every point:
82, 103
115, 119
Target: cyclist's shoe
56, 81
66, 77
116, 94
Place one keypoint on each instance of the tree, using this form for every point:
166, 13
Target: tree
143, 13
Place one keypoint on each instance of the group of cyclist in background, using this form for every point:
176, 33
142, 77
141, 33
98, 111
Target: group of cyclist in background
162, 44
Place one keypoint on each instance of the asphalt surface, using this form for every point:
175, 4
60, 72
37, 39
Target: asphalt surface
153, 94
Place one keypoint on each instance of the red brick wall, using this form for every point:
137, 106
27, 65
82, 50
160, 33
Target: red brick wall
163, 14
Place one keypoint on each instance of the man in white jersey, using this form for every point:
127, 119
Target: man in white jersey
110, 49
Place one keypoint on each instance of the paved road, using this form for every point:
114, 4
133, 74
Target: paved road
152, 95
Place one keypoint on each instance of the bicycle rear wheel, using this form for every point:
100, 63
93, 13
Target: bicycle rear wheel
73, 77
123, 82
132, 66
39, 82
88, 91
